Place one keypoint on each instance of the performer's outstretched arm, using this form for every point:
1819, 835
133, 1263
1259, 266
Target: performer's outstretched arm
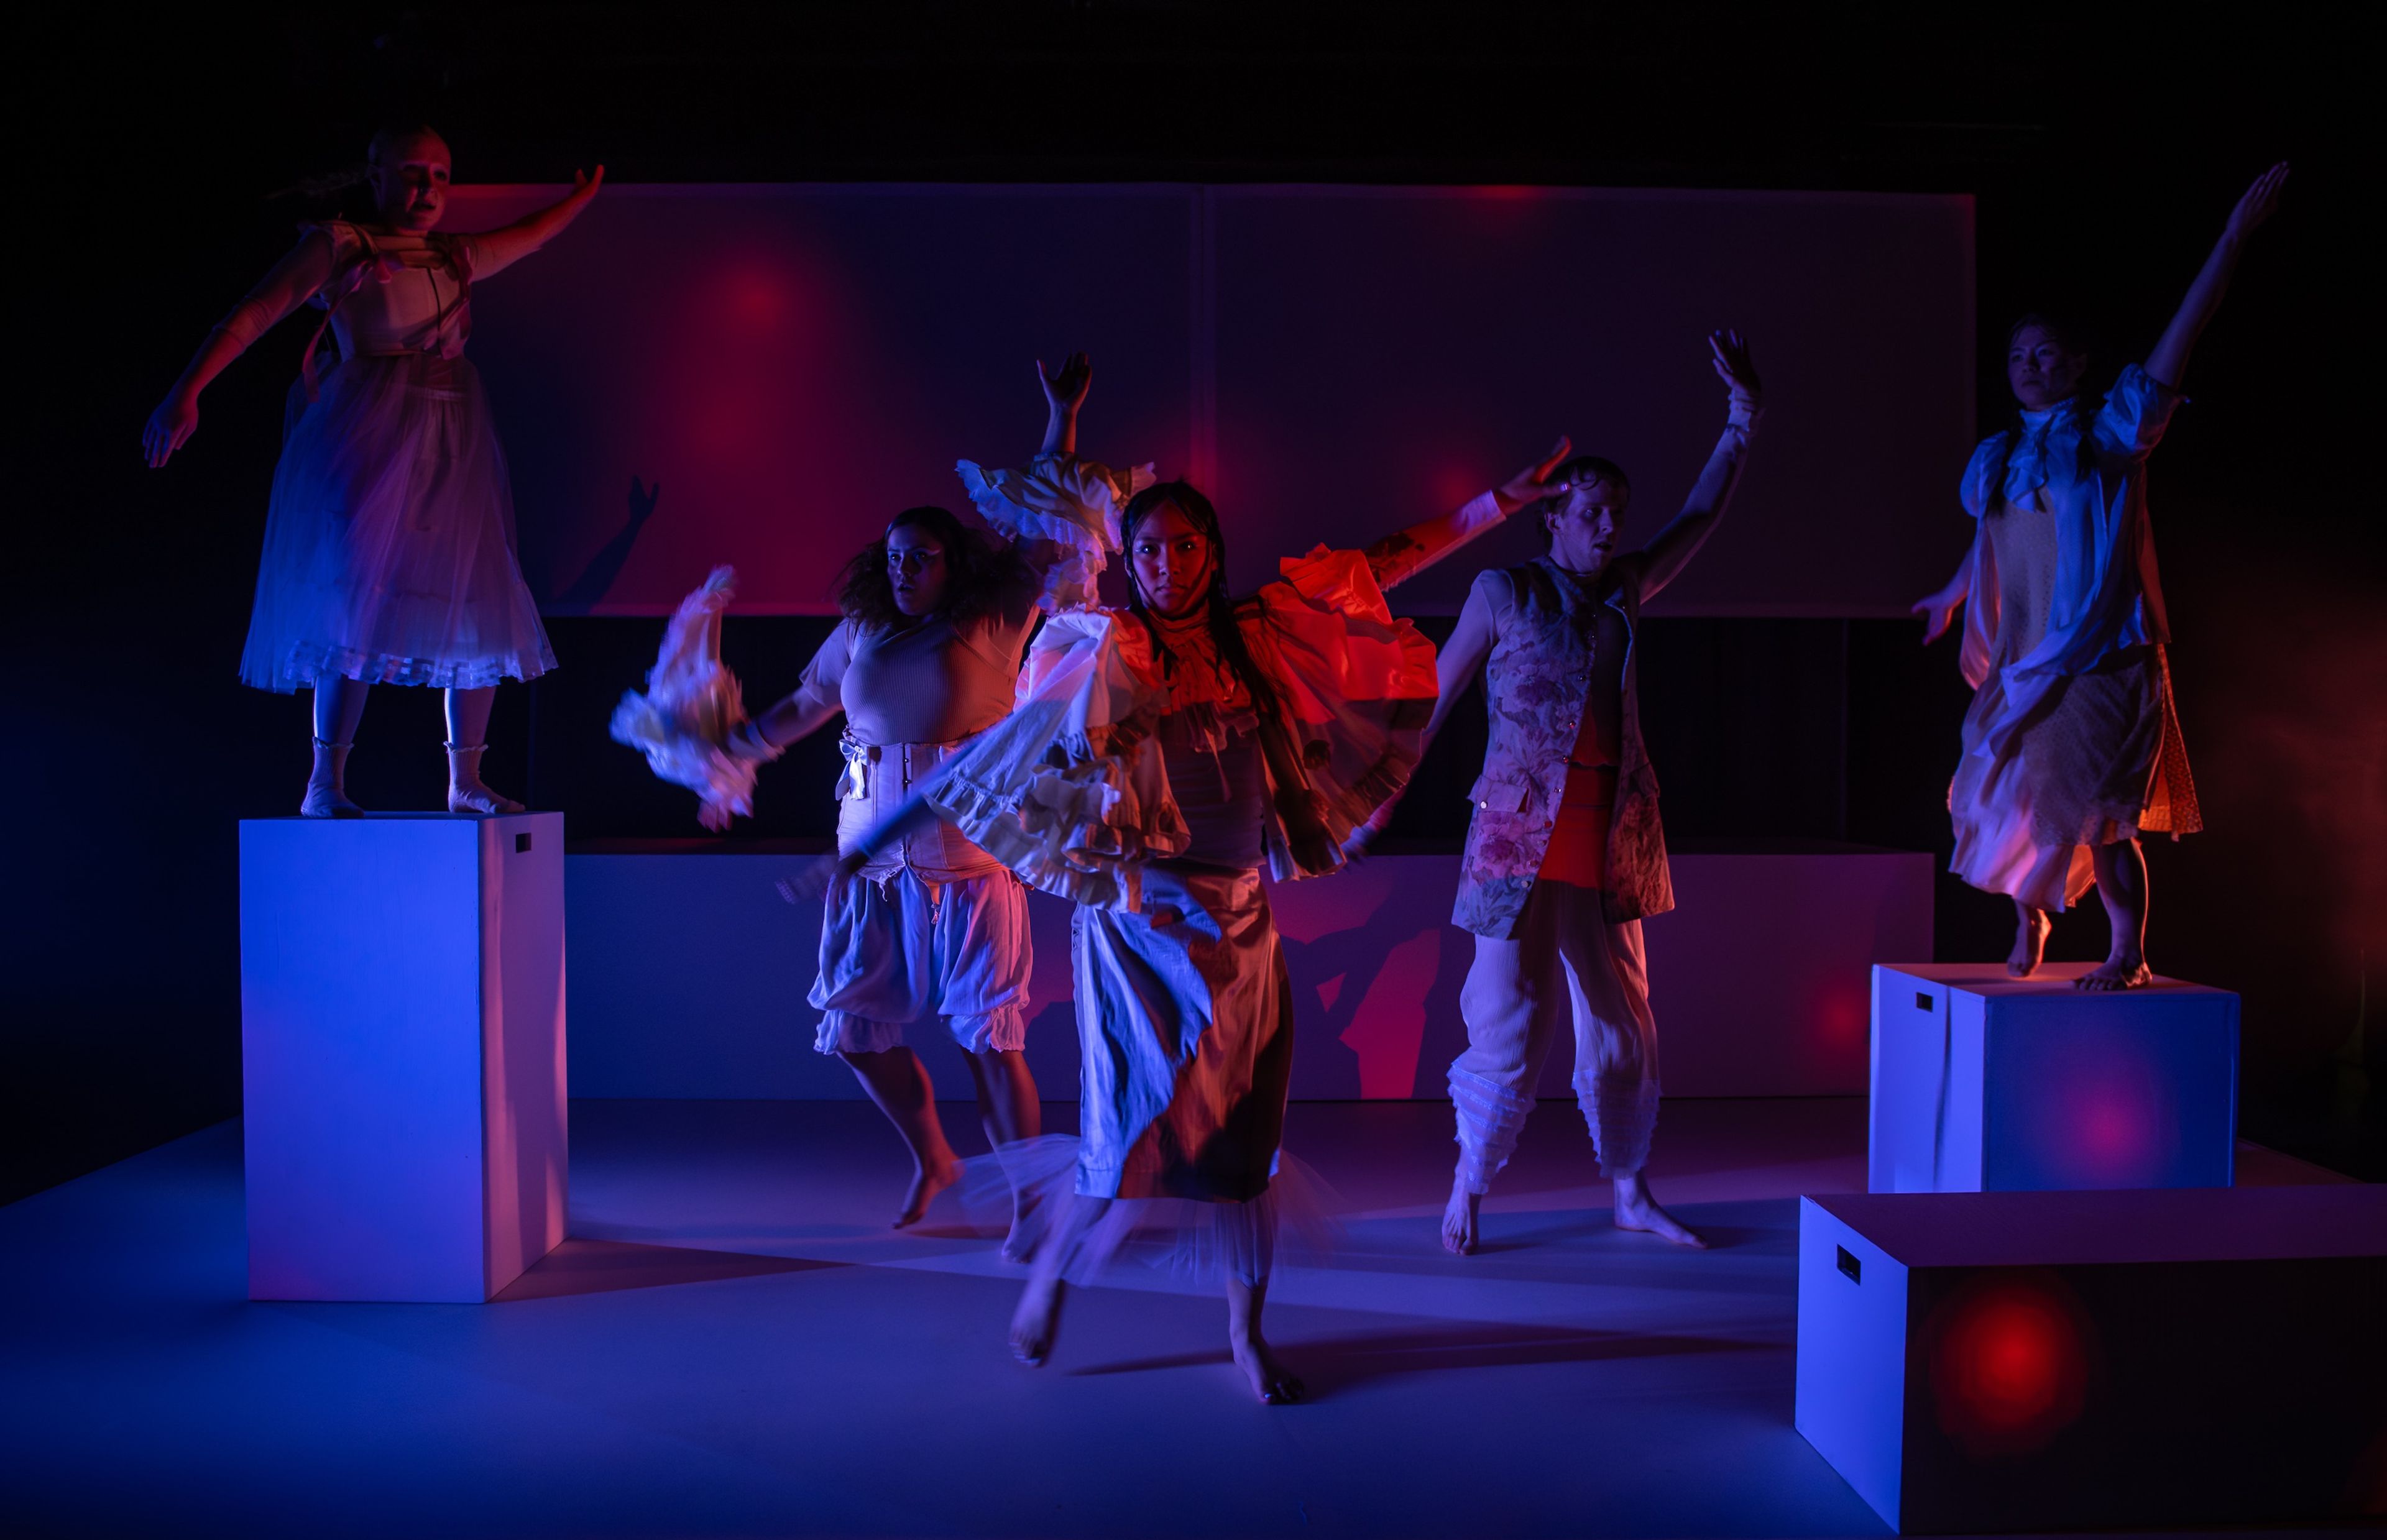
1405, 553
502, 247
298, 275
2168, 362
1455, 663
814, 703
1670, 549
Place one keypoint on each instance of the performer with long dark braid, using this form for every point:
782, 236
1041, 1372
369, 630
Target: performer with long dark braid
1161, 753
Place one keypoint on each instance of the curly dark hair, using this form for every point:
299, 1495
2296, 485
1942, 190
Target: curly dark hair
975, 571
1220, 611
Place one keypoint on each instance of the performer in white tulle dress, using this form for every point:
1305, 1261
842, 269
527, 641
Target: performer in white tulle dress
2072, 747
389, 553
1159, 755
932, 925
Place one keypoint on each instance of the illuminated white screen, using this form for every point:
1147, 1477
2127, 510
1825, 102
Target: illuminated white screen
795, 363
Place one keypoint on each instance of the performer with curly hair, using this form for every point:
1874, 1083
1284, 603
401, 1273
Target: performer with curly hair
389, 554
2072, 746
935, 617
1159, 755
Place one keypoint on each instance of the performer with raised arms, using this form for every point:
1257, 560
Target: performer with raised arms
1564, 854
2072, 747
389, 553
1159, 755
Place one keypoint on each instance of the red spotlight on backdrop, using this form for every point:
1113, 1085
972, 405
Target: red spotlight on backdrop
2009, 1363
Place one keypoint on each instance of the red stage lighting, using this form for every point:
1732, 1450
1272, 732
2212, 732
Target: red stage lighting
2009, 1363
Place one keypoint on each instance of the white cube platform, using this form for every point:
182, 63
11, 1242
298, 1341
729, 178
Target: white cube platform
402, 1054
2000, 1361
1987, 1083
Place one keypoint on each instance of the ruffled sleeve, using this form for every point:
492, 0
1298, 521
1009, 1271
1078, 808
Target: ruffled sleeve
2136, 412
683, 722
1064, 511
1977, 494
1359, 686
1068, 791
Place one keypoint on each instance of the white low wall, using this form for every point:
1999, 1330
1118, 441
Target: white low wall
688, 975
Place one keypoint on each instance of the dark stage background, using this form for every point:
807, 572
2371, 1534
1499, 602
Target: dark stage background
2102, 158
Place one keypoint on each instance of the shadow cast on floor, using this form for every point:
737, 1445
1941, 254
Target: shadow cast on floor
604, 1267
1340, 1362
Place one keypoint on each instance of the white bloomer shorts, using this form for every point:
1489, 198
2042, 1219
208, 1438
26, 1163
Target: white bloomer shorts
897, 948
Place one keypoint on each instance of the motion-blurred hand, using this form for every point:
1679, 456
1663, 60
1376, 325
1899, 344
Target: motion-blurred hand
813, 883
1532, 483
1937, 611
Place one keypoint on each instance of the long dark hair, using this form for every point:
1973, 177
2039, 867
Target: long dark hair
2083, 404
1219, 610
973, 571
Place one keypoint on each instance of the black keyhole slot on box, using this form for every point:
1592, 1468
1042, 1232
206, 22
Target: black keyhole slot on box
1922, 1000
1849, 1265
521, 843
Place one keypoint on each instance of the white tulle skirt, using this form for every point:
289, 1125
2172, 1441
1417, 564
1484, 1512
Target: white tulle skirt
1294, 1221
389, 554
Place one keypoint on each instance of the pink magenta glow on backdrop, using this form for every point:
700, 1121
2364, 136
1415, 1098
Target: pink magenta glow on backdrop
794, 363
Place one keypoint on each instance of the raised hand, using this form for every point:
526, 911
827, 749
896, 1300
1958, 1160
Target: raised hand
812, 883
585, 184
170, 427
1734, 367
1064, 390
1532, 483
2259, 203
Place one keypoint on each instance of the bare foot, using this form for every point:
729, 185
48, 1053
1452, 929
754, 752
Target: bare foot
1020, 1244
2030, 942
2127, 972
927, 1183
1037, 1321
1636, 1209
1458, 1221
1271, 1381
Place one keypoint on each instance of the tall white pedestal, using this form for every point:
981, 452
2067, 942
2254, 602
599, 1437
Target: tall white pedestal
402, 1054
1987, 1083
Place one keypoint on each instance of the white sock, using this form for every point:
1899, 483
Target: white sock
327, 797
466, 791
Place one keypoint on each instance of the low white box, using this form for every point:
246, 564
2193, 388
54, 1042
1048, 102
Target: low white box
1986, 1083
1989, 1362
402, 999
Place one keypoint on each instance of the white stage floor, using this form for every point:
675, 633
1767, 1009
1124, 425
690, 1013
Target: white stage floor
734, 1344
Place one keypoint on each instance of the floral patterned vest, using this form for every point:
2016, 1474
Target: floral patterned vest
1536, 683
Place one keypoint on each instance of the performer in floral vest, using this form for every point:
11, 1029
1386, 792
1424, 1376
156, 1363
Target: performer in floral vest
1564, 855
